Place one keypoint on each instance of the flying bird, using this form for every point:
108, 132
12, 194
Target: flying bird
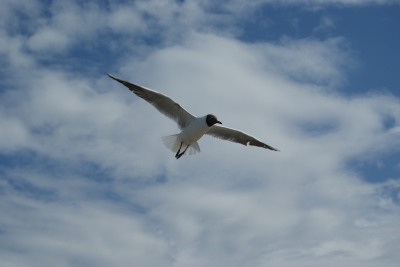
192, 128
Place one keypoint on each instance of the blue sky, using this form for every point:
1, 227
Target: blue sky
85, 179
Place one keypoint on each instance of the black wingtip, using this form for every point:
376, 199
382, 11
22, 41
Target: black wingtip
112, 77
272, 148
117, 79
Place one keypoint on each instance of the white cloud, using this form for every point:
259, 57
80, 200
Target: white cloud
48, 40
10, 49
230, 203
101, 190
325, 23
73, 233
11, 9
13, 135
126, 21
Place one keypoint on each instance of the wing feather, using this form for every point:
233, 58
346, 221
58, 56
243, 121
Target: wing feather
161, 102
236, 136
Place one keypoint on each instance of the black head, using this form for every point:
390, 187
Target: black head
211, 120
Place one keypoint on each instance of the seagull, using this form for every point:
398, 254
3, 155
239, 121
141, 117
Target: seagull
192, 128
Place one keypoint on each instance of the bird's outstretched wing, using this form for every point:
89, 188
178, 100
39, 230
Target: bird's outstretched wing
163, 103
237, 136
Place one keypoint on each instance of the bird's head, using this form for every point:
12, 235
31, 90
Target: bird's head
211, 120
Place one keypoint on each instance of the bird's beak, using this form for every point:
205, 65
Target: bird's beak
219, 122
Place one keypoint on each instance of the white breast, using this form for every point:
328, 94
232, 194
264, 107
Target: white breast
194, 131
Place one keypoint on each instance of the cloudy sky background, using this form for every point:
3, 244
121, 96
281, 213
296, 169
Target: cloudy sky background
86, 181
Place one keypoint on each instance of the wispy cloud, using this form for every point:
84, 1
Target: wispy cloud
86, 181
325, 24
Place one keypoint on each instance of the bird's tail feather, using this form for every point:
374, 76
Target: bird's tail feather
172, 142
193, 149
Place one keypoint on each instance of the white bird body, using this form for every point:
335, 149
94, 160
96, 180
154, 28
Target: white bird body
188, 137
192, 128
194, 131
